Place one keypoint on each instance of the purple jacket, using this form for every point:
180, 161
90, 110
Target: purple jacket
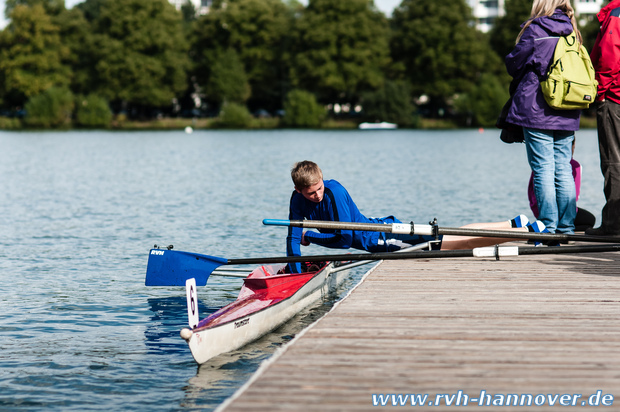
527, 64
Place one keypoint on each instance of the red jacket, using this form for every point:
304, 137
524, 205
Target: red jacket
605, 54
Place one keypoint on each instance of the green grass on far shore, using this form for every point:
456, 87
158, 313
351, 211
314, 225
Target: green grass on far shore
587, 122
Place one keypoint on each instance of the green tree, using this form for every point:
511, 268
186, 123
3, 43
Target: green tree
91, 9
302, 110
341, 49
52, 7
391, 103
52, 108
504, 33
482, 105
257, 30
440, 50
234, 116
228, 81
31, 55
188, 11
139, 52
92, 111
76, 34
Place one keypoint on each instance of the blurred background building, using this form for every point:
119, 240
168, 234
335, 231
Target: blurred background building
201, 6
486, 11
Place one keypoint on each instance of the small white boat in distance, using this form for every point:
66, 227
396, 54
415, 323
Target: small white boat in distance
377, 126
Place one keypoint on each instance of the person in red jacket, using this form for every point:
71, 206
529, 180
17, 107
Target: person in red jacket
606, 61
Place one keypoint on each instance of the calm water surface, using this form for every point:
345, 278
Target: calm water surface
80, 210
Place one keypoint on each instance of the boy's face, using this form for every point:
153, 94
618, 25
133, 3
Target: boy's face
313, 193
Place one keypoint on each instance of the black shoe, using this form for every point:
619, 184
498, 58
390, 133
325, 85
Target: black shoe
600, 231
548, 242
596, 231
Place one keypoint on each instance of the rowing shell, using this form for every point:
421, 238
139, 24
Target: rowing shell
266, 301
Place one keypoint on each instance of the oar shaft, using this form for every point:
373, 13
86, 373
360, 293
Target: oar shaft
508, 234
568, 249
230, 274
499, 251
399, 228
404, 228
351, 256
560, 237
433, 254
173, 268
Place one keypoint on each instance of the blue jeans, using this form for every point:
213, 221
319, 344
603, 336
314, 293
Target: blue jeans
549, 153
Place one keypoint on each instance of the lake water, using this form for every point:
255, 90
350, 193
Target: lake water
79, 212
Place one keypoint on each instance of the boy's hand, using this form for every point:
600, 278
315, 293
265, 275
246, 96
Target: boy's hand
304, 242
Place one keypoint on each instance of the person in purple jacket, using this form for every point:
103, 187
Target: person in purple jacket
548, 133
318, 199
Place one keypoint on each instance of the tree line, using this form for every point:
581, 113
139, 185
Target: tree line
144, 58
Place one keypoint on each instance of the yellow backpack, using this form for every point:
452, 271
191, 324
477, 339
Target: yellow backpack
570, 82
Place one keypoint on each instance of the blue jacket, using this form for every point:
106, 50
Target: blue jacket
527, 64
336, 206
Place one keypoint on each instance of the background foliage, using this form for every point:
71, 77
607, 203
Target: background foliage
144, 59
52, 108
302, 110
92, 111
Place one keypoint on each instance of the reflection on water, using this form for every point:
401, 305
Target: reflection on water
215, 378
162, 330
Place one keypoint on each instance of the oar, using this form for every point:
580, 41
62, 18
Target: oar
414, 229
231, 274
173, 267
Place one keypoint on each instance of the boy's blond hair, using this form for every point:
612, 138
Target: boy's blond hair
306, 174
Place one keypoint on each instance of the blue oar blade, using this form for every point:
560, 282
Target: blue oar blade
174, 267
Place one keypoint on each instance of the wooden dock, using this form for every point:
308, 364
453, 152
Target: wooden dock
540, 325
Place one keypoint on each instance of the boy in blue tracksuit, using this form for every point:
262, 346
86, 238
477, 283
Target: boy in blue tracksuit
318, 199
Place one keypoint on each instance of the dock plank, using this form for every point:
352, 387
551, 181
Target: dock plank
544, 324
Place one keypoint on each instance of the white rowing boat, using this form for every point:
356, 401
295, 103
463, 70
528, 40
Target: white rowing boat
266, 301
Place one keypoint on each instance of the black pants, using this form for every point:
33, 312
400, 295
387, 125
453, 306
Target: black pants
608, 124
